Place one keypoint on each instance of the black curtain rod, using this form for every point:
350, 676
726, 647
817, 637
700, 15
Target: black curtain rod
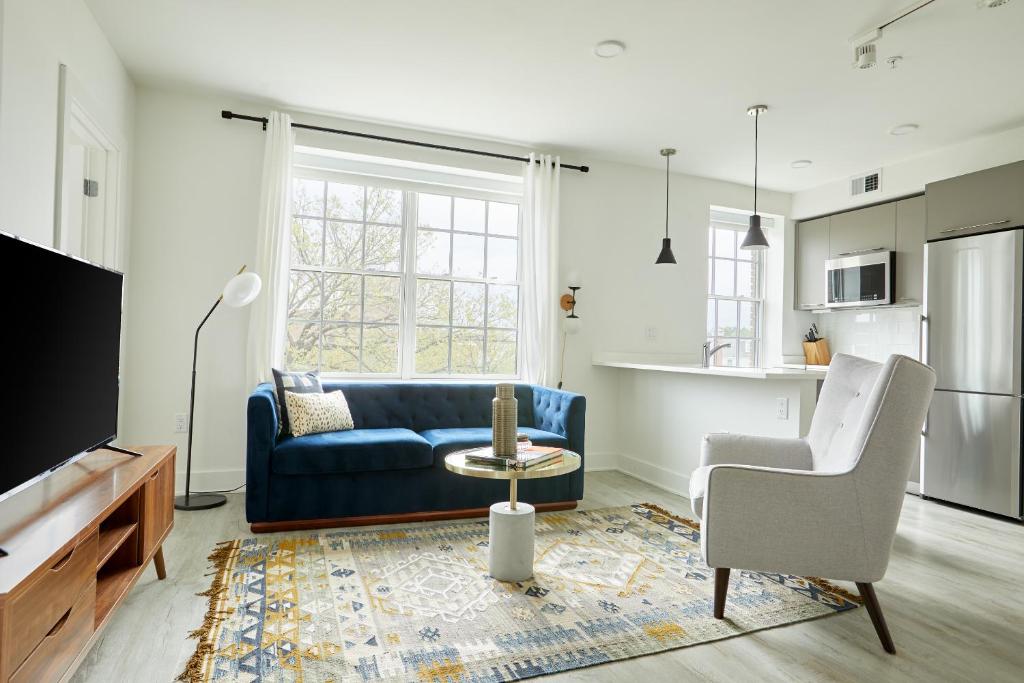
225, 114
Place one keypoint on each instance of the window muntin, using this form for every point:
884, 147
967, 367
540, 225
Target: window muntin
401, 283
735, 305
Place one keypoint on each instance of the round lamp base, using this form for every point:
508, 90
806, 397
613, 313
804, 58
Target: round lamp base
199, 501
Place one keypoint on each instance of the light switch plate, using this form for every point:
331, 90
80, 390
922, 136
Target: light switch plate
180, 423
782, 408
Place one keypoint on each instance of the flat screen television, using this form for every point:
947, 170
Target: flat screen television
60, 345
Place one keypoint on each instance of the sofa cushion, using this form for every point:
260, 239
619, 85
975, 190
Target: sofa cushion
446, 441
358, 450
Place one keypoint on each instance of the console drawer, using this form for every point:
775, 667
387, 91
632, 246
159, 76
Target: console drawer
48, 599
62, 643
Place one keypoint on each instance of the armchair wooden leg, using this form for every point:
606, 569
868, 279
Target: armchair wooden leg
721, 588
867, 591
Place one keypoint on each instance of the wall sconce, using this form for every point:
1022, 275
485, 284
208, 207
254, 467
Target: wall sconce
568, 301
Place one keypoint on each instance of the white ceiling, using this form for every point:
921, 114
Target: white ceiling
524, 71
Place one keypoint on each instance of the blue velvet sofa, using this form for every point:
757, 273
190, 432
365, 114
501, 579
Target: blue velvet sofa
391, 466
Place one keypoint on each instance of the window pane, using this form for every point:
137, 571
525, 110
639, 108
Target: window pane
432, 252
308, 197
502, 219
467, 352
431, 349
711, 317
307, 242
383, 248
468, 304
468, 256
302, 348
502, 257
501, 352
727, 356
345, 201
503, 306
469, 214
435, 211
341, 348
746, 284
383, 206
342, 296
304, 295
726, 318
344, 246
748, 319
725, 243
724, 274
380, 348
433, 302
748, 354
380, 299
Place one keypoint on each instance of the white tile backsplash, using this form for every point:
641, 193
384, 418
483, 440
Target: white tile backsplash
873, 334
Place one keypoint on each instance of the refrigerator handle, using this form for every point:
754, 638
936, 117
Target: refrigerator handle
922, 344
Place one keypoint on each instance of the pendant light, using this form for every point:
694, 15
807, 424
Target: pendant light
755, 239
666, 244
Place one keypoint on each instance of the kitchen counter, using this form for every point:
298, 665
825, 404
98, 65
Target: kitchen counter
636, 361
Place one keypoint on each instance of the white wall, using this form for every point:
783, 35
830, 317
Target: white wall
910, 176
196, 195
36, 38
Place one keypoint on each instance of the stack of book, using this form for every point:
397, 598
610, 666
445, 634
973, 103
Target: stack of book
535, 456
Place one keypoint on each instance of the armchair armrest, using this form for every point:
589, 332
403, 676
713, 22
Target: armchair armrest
261, 429
785, 521
561, 412
764, 451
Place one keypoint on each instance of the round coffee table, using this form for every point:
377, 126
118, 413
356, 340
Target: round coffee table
511, 522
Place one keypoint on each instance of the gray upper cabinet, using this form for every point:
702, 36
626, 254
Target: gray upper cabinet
977, 202
811, 254
869, 229
910, 231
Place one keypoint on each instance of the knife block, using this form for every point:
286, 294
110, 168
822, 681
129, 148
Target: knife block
816, 352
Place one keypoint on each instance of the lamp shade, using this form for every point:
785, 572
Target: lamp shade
574, 279
754, 239
242, 289
666, 255
572, 325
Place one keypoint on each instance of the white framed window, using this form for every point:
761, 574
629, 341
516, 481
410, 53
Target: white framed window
735, 290
398, 279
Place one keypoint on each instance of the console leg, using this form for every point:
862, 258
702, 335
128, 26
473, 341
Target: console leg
158, 562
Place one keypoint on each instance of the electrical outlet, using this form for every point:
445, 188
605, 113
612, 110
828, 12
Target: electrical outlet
180, 423
651, 332
782, 408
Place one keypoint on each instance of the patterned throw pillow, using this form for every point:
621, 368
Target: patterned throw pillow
292, 382
316, 413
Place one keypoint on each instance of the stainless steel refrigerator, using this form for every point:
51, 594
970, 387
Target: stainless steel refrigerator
973, 325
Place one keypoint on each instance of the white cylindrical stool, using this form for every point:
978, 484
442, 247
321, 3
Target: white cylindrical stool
511, 541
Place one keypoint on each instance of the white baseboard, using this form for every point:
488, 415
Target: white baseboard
655, 475
210, 480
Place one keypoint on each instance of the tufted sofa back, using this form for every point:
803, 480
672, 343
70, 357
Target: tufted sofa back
422, 406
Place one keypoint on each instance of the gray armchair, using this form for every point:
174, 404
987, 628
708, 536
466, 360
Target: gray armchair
826, 505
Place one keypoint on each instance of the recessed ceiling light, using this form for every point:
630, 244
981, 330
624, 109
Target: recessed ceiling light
905, 129
607, 49
801, 163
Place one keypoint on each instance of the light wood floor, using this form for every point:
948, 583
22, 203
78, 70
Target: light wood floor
953, 598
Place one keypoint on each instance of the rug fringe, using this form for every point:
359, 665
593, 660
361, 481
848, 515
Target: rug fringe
220, 558
823, 584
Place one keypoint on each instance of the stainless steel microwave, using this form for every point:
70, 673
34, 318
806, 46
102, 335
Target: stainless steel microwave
862, 279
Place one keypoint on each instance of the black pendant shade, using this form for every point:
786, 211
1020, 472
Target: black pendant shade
666, 255
755, 239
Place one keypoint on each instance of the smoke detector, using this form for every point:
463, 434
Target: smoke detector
983, 4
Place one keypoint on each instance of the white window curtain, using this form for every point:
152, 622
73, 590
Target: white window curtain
266, 320
540, 270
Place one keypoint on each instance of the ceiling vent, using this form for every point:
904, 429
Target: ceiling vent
869, 182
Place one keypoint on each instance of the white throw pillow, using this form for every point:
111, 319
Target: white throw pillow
316, 413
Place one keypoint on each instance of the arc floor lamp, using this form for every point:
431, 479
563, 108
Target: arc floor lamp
241, 290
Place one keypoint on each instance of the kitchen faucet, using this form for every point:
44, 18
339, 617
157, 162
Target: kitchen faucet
709, 353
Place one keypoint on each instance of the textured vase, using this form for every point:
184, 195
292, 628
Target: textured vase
504, 411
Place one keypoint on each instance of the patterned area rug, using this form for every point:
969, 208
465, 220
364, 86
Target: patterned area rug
415, 603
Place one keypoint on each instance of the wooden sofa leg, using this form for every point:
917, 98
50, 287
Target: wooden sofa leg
721, 588
867, 591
